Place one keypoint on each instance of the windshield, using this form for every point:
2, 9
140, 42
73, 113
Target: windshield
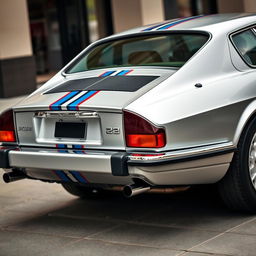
172, 50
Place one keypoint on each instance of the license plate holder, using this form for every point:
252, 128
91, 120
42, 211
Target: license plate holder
70, 130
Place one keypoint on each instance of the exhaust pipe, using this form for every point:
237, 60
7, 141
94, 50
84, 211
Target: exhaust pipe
13, 176
133, 190
129, 190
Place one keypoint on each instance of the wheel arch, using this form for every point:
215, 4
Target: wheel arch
247, 116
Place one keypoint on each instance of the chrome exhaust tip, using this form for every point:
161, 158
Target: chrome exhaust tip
133, 190
13, 176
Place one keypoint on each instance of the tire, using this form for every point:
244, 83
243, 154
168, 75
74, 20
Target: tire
236, 188
83, 192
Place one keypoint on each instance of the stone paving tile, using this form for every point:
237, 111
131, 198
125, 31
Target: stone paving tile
200, 254
11, 218
5, 201
25, 244
31, 189
172, 238
32, 210
137, 208
60, 226
230, 244
36, 206
115, 208
178, 210
197, 218
246, 228
100, 248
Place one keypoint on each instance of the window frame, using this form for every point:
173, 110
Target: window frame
231, 35
114, 38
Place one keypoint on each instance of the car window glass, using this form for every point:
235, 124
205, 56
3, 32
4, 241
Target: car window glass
245, 42
172, 50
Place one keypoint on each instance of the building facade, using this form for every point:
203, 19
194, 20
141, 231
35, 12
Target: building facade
38, 37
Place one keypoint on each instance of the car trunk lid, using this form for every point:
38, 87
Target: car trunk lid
95, 100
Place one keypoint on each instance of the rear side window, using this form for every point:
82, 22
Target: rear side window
171, 50
245, 42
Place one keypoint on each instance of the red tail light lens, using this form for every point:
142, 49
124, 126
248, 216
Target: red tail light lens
7, 130
140, 133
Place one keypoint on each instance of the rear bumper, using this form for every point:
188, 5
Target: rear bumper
194, 166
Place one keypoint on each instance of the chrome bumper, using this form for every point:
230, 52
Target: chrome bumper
60, 160
193, 166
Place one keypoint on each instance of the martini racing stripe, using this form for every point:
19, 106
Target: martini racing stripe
159, 25
78, 146
113, 73
170, 25
108, 73
62, 176
61, 146
124, 72
56, 105
65, 146
79, 177
86, 96
68, 176
64, 105
72, 100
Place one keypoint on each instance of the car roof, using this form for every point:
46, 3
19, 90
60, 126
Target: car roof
215, 23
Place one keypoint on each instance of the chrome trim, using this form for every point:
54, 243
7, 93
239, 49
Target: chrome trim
97, 165
94, 162
183, 153
64, 114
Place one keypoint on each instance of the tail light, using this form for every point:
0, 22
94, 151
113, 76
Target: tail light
140, 133
7, 130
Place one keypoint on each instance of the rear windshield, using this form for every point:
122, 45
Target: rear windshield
172, 50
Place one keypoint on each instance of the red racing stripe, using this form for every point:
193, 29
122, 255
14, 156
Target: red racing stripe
50, 107
77, 106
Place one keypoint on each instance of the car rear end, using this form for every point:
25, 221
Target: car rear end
80, 146
78, 129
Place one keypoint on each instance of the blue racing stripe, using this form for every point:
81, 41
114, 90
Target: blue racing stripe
179, 22
79, 177
108, 73
81, 152
61, 145
123, 72
77, 146
62, 151
73, 105
62, 176
158, 25
57, 104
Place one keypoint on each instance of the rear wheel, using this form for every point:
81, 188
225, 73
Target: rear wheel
238, 187
83, 192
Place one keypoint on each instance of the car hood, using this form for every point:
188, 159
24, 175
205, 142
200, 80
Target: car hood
108, 89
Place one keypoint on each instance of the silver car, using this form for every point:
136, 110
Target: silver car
156, 108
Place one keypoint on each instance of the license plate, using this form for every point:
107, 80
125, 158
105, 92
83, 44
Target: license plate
70, 130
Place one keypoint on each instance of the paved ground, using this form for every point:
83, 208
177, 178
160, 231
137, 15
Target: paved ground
42, 219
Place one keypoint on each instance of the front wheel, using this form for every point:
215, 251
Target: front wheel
238, 187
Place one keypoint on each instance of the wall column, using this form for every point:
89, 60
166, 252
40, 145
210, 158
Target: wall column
152, 11
134, 13
249, 6
17, 67
227, 6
